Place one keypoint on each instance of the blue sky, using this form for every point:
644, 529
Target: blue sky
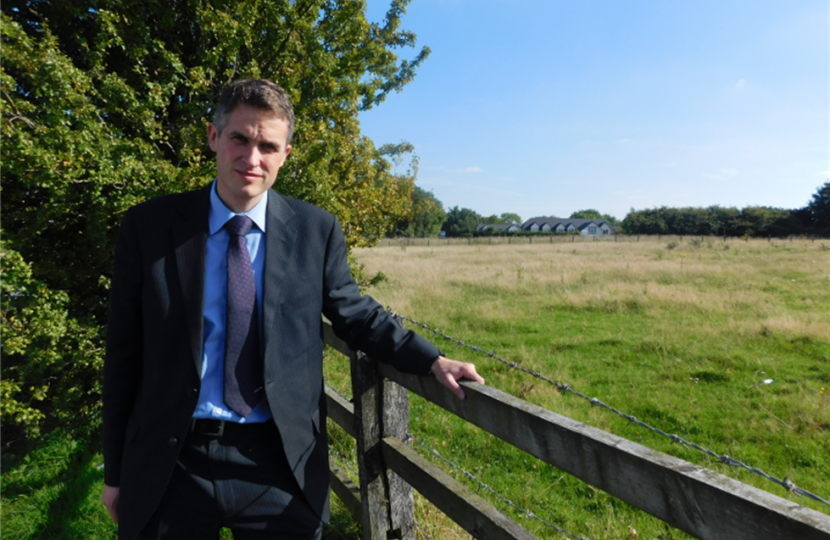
545, 107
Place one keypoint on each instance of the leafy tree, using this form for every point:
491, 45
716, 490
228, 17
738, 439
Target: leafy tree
586, 214
461, 222
752, 221
595, 214
105, 104
510, 218
492, 220
723, 221
49, 358
766, 221
819, 210
645, 222
427, 216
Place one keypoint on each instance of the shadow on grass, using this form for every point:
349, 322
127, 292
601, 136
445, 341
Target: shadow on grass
46, 488
51, 487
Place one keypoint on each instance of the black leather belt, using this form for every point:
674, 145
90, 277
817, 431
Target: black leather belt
218, 428
207, 426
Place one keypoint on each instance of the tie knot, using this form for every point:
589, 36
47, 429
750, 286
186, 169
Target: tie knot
239, 225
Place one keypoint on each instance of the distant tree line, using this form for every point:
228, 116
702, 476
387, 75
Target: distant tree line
760, 221
429, 219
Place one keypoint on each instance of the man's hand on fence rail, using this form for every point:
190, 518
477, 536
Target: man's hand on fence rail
449, 372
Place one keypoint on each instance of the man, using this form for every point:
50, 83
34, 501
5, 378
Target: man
214, 411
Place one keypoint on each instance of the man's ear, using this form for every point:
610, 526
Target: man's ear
213, 135
287, 150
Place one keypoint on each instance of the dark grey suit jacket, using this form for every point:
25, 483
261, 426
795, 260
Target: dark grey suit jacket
155, 338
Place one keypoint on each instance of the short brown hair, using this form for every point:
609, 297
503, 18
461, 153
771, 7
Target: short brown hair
259, 93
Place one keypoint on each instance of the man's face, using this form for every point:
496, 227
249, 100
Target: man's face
249, 153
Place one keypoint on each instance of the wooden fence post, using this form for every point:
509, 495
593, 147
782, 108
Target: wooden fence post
381, 410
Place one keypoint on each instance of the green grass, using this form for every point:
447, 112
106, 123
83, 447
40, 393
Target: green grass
681, 339
52, 489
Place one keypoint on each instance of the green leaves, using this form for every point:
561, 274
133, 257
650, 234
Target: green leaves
48, 357
819, 210
106, 106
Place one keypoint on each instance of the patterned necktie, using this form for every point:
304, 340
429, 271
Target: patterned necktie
243, 366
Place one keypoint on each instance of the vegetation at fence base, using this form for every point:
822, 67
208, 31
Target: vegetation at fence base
726, 344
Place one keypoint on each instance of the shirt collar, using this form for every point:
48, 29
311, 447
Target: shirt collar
221, 214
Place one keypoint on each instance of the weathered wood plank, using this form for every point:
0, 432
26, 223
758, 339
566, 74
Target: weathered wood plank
395, 423
341, 411
330, 339
346, 490
366, 402
475, 515
701, 502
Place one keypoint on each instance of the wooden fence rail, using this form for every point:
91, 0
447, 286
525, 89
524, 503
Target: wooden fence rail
705, 504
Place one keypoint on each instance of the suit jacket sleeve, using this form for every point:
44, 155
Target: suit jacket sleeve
362, 322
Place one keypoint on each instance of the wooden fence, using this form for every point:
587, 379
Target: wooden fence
703, 503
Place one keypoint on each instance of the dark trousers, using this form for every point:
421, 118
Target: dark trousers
240, 480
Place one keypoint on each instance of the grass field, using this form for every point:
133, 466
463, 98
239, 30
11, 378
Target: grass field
680, 334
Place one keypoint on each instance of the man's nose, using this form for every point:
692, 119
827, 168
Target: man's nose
252, 156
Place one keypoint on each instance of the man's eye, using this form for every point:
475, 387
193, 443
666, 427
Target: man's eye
269, 148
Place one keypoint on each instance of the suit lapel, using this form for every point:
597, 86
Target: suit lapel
280, 235
190, 237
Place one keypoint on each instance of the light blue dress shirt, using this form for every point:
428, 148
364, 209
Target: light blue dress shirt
211, 398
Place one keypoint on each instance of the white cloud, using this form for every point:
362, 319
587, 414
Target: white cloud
740, 84
624, 141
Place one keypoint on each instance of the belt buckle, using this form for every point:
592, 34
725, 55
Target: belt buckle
218, 433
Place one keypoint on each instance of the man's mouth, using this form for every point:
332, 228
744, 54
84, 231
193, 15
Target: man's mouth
249, 175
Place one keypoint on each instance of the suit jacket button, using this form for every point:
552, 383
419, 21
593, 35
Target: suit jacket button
192, 392
173, 441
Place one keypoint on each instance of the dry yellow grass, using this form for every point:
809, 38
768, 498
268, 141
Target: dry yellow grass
743, 283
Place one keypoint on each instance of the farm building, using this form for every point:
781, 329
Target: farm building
585, 227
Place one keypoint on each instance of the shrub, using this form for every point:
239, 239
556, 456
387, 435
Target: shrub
51, 365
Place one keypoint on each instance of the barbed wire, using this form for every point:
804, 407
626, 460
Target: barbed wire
786, 483
498, 495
